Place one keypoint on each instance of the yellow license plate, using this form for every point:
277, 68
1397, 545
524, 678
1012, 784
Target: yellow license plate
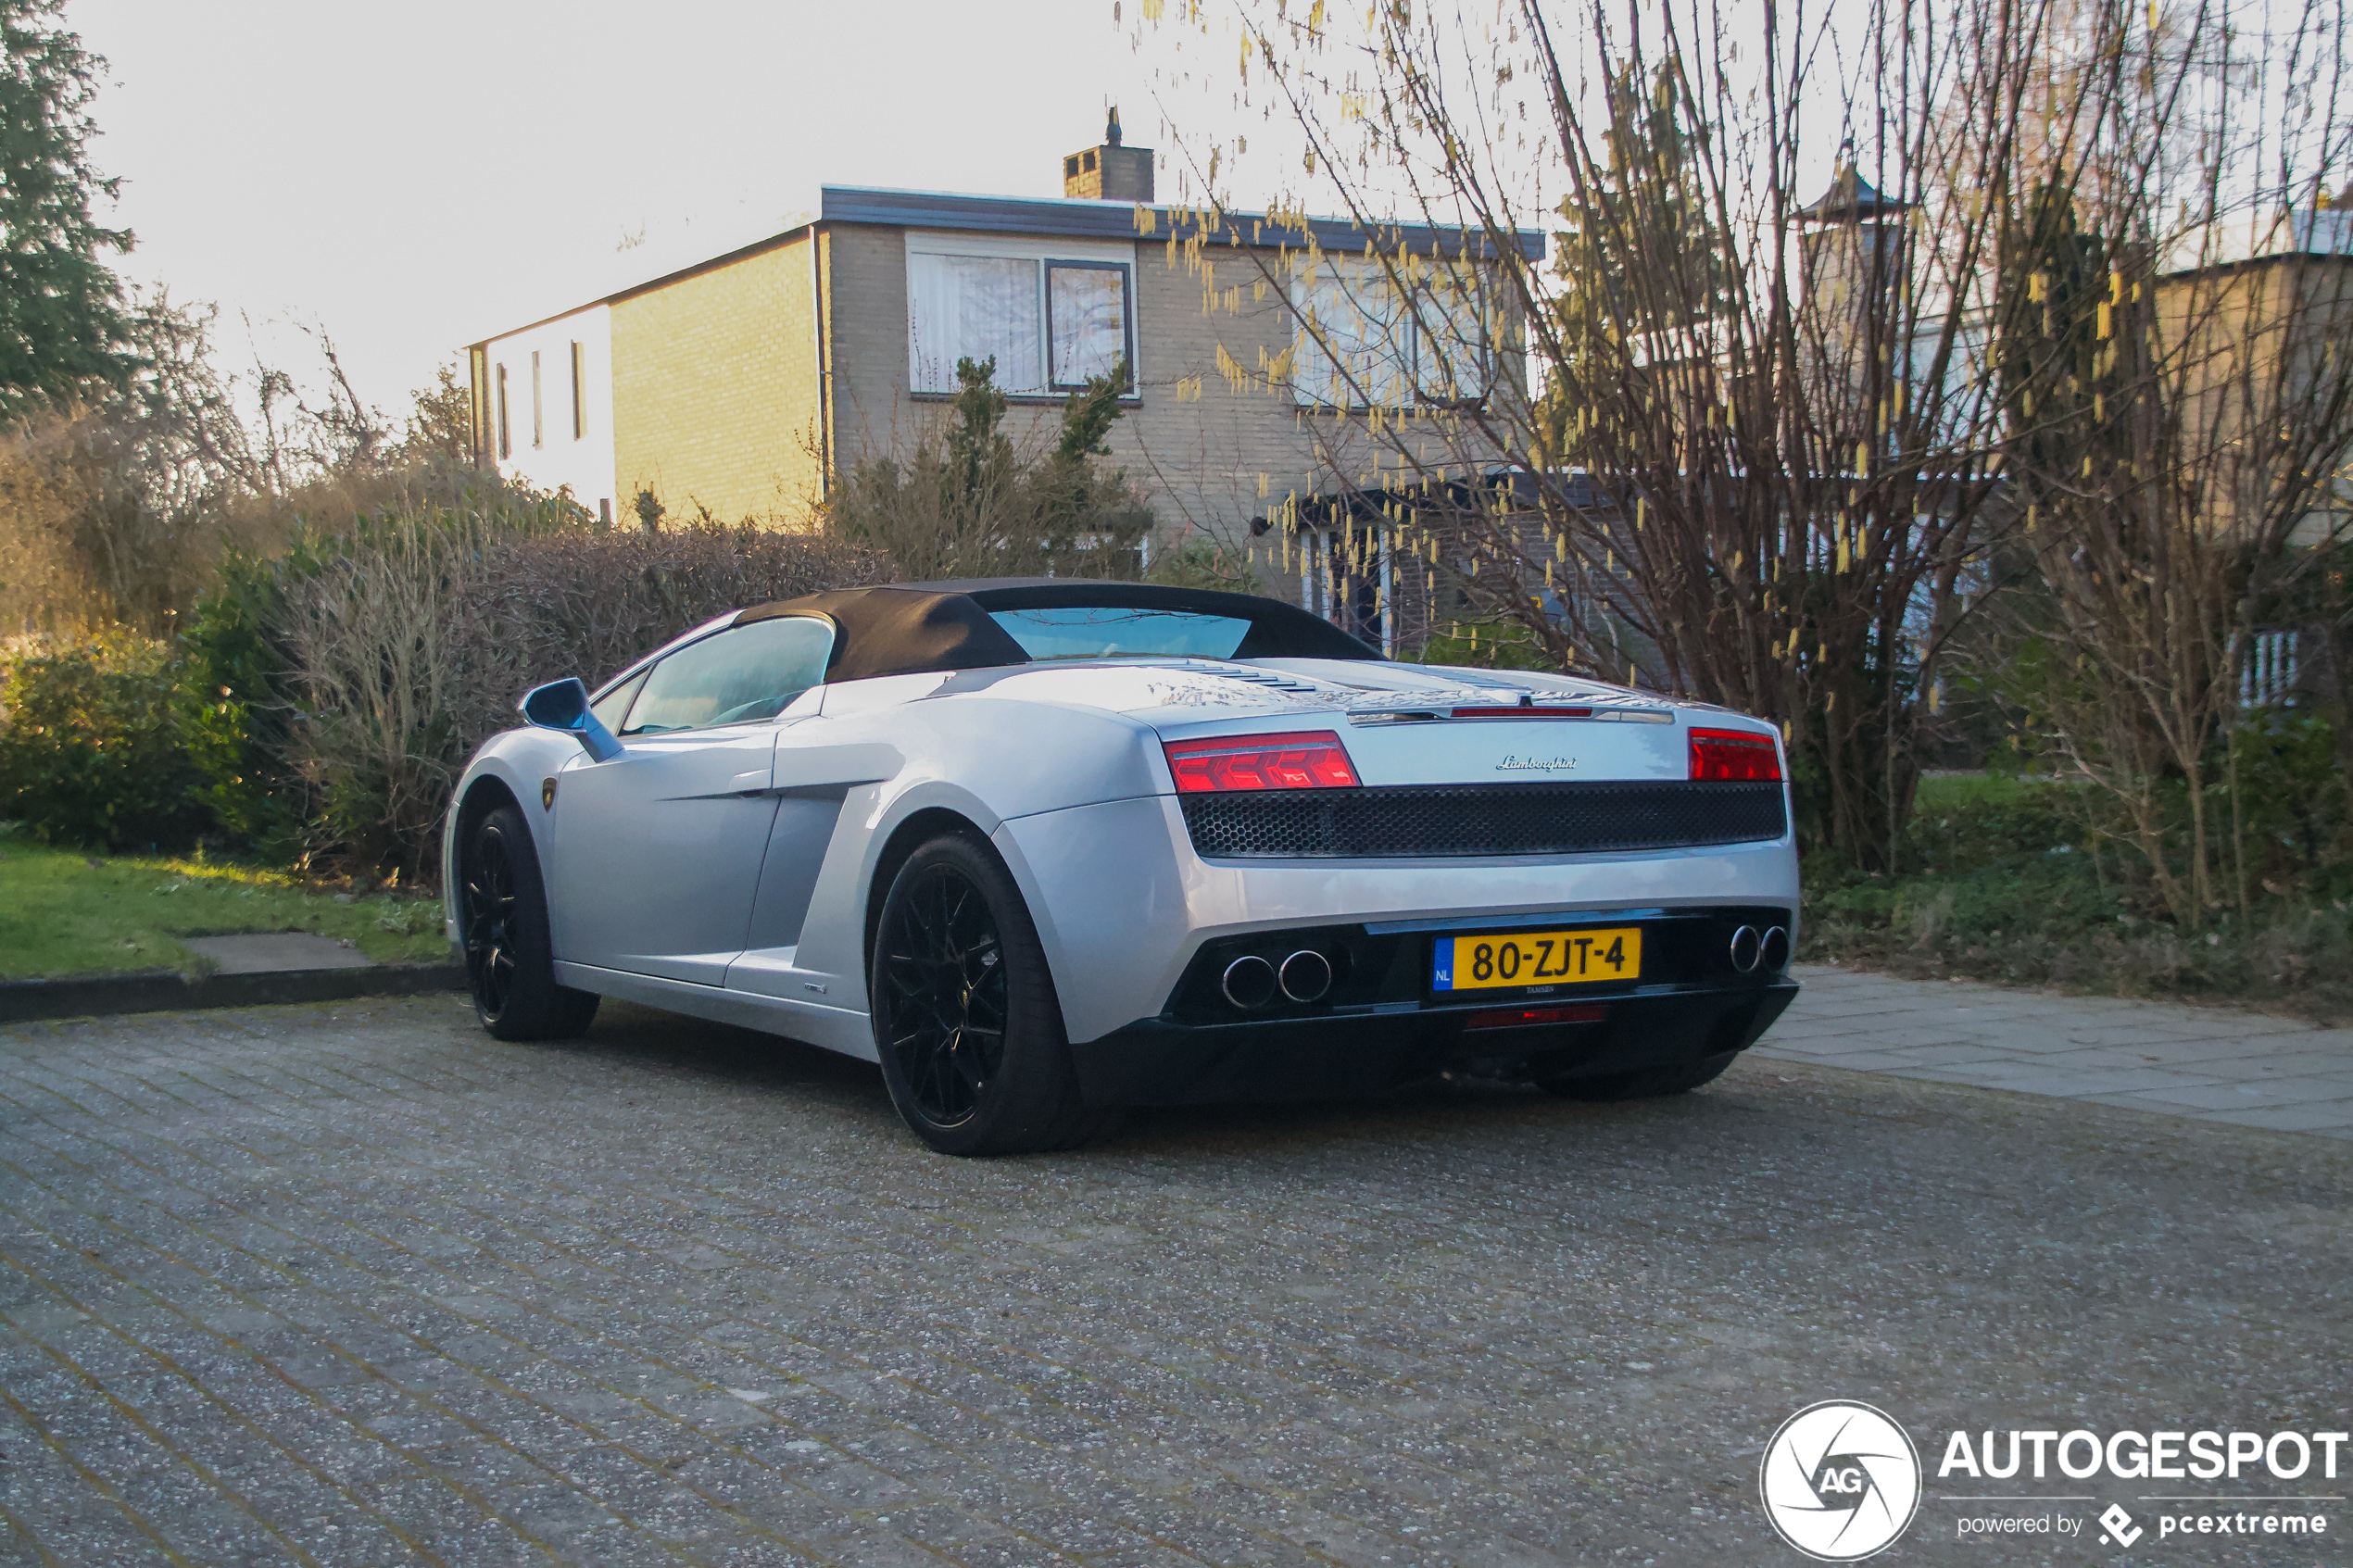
1536, 957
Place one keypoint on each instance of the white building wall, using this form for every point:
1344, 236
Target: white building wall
539, 444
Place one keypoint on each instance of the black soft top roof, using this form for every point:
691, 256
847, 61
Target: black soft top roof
913, 628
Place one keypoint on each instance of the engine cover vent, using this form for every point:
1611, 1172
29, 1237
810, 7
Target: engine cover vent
1438, 821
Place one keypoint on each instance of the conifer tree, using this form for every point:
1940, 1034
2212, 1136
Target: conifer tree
63, 327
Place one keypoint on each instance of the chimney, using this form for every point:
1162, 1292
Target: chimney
1109, 172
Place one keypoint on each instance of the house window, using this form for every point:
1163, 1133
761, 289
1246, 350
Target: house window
1355, 344
478, 403
1050, 323
579, 391
538, 421
1086, 320
506, 439
1455, 330
1361, 343
975, 307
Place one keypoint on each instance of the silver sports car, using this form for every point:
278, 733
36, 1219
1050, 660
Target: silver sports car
1045, 850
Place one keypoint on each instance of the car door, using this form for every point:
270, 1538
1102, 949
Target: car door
658, 851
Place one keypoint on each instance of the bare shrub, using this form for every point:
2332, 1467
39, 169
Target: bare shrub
120, 512
373, 634
63, 501
407, 642
588, 602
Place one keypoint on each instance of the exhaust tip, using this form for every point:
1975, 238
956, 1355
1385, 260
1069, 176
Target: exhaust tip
1748, 947
1306, 976
1775, 951
1248, 981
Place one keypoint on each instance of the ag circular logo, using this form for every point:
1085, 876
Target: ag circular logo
1840, 1481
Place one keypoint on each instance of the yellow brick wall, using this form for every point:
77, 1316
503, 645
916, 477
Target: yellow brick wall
715, 389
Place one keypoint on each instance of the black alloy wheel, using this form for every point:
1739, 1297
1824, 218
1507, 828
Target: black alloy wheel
965, 1019
944, 964
502, 912
488, 904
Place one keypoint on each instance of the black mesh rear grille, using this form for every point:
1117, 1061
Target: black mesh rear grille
1440, 819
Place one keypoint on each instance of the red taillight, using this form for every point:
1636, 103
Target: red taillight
1524, 1018
1735, 755
1315, 760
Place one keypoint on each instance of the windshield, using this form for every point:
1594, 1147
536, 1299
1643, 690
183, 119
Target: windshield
1105, 632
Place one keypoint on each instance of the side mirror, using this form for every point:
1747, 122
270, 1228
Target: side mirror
563, 705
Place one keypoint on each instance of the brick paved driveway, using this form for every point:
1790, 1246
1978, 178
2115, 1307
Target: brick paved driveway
362, 1286
2218, 1064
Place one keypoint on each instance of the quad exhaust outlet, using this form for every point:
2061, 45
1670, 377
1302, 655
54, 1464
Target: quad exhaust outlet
1306, 976
1768, 949
1249, 982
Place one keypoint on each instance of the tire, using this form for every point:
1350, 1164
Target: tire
965, 1019
1649, 1083
510, 966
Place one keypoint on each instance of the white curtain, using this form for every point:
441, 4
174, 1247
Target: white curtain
1355, 349
1088, 307
977, 308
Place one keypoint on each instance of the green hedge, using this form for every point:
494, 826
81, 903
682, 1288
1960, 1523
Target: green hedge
92, 753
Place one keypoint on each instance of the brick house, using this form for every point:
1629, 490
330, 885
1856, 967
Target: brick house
739, 384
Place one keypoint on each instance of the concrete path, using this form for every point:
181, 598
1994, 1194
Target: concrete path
2216, 1064
277, 952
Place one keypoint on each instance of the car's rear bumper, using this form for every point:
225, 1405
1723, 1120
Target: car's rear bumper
1124, 907
1165, 1061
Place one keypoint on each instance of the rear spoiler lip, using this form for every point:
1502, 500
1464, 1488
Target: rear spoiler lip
1581, 713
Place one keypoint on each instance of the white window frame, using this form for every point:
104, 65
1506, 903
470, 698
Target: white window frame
1041, 252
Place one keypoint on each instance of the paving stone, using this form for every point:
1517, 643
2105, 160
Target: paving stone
2147, 1056
2329, 1116
356, 1285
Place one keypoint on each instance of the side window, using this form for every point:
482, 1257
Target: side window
734, 677
611, 707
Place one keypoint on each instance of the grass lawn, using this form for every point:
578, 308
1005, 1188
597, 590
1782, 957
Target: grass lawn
63, 912
1957, 792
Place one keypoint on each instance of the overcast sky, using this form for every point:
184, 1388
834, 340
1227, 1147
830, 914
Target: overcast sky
414, 176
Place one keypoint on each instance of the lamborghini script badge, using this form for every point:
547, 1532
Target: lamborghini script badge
1535, 764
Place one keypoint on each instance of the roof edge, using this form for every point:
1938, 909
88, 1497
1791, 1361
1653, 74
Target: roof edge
1074, 218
